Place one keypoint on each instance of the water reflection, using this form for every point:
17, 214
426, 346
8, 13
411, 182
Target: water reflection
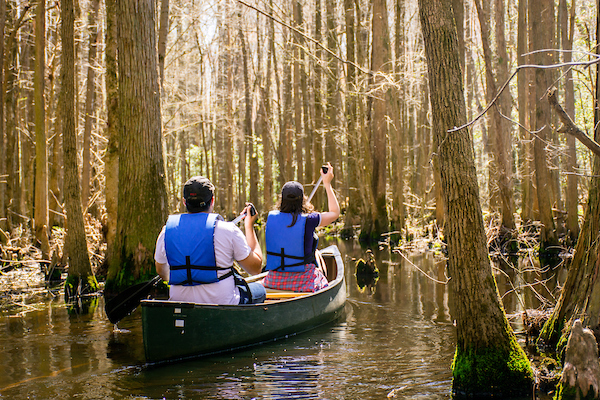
289, 378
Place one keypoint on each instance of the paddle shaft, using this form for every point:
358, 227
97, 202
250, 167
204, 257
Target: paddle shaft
325, 169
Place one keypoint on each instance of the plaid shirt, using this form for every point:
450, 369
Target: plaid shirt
311, 280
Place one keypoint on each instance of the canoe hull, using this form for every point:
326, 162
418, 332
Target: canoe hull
174, 330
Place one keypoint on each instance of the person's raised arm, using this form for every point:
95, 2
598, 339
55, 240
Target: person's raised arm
253, 263
328, 217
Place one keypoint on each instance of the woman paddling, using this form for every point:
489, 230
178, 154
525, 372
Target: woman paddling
291, 240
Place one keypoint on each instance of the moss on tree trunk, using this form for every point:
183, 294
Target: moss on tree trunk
495, 370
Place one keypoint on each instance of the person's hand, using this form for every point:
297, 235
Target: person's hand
327, 177
249, 218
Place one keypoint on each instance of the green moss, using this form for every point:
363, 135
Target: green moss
492, 371
550, 334
72, 283
572, 393
125, 277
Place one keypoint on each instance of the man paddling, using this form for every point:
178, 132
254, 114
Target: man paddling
195, 252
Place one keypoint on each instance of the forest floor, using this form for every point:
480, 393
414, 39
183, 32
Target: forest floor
27, 279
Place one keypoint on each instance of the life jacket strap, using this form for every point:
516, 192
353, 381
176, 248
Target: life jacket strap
283, 256
189, 267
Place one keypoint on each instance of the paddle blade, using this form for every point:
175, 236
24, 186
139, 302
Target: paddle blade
127, 301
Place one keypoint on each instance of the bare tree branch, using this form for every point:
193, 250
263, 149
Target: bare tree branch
505, 85
568, 126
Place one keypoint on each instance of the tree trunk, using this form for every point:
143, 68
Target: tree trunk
502, 148
3, 191
398, 158
111, 157
380, 58
539, 12
225, 130
353, 155
524, 135
581, 291
458, 10
265, 126
308, 107
484, 337
55, 215
11, 90
26, 147
298, 55
142, 203
41, 150
81, 280
163, 32
90, 99
230, 131
362, 126
248, 134
331, 126
319, 111
286, 139
572, 196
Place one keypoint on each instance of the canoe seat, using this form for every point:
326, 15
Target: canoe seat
274, 294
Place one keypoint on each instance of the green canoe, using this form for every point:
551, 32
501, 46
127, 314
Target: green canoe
174, 330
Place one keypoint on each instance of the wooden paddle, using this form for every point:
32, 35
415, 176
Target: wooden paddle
127, 301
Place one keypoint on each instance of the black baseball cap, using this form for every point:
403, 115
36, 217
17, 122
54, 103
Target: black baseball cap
292, 191
198, 192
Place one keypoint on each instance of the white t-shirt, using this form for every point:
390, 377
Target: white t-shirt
230, 244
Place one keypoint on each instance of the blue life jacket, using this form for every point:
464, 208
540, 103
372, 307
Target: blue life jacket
190, 248
285, 244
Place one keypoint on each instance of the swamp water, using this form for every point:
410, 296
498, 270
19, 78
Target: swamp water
396, 340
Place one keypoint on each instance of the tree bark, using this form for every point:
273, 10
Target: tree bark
502, 148
380, 58
353, 155
25, 109
90, 99
581, 291
163, 32
248, 133
11, 90
41, 150
81, 279
398, 148
331, 94
142, 203
265, 113
524, 135
286, 136
298, 55
111, 156
539, 13
484, 337
53, 118
319, 110
572, 196
3, 191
